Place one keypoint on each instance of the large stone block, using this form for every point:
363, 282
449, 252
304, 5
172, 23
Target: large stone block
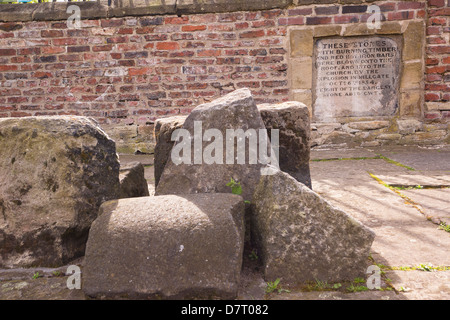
187, 246
163, 135
301, 237
235, 125
292, 121
55, 173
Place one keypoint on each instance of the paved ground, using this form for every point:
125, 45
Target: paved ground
402, 193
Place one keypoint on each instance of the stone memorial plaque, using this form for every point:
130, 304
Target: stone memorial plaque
355, 77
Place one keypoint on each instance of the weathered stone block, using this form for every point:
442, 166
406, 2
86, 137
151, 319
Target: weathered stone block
56, 172
292, 121
163, 135
195, 173
187, 246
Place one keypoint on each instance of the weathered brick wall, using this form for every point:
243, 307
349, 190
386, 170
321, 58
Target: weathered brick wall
128, 71
437, 79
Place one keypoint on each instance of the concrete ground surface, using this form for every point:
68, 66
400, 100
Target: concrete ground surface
402, 193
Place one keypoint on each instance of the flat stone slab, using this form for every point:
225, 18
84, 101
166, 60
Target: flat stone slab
420, 158
434, 202
342, 153
403, 235
417, 178
166, 247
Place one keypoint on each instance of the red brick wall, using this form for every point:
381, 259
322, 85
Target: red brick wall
136, 69
437, 78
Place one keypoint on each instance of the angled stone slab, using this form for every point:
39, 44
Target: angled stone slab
163, 135
186, 246
301, 237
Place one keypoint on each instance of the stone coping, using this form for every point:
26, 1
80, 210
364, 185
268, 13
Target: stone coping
50, 11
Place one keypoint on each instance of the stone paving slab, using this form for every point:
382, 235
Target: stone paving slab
416, 178
434, 202
420, 158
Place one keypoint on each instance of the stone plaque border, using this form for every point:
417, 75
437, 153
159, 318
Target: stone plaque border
301, 51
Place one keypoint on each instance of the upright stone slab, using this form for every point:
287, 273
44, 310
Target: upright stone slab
132, 181
163, 135
301, 237
55, 173
187, 246
292, 120
235, 111
356, 77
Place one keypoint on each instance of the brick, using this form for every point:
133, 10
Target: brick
432, 61
167, 46
64, 42
8, 68
354, 9
274, 83
106, 47
15, 100
436, 3
346, 19
300, 12
191, 28
44, 59
248, 84
176, 20
7, 52
432, 96
258, 52
196, 86
51, 33
134, 55
438, 49
290, 21
433, 30
70, 57
53, 50
436, 40
209, 53
437, 69
118, 39
263, 23
326, 10
126, 63
111, 23
78, 49
125, 31
252, 34
151, 21
318, 20
20, 59
436, 87
410, 5
42, 75
400, 15
440, 12
230, 60
156, 37
230, 17
438, 21
77, 33
194, 69
138, 71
